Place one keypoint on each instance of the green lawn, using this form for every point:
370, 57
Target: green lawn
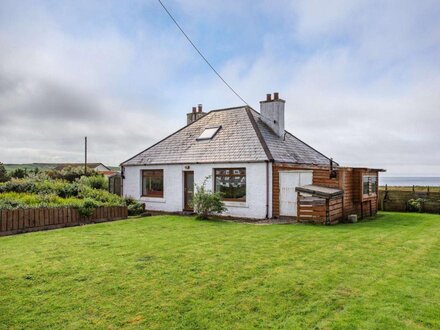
168, 272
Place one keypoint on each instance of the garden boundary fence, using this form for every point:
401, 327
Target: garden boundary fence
25, 220
397, 200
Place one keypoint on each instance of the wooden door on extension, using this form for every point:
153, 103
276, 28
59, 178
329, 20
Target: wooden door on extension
289, 180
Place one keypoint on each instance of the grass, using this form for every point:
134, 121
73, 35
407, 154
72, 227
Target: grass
169, 272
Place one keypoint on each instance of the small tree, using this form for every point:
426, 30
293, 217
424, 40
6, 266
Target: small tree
206, 202
3, 173
19, 173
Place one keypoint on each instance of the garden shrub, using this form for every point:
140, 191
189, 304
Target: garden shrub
98, 195
70, 174
415, 205
42, 191
18, 185
13, 200
87, 208
95, 182
25, 193
206, 202
19, 173
4, 176
133, 206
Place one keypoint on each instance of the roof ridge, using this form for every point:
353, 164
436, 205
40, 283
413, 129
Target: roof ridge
226, 109
259, 135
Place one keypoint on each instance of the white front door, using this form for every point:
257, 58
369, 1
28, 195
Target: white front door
289, 180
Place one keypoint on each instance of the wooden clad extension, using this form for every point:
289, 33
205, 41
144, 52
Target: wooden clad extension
26, 220
332, 210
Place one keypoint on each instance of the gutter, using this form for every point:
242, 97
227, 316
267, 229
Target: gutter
122, 180
267, 189
266, 151
268, 163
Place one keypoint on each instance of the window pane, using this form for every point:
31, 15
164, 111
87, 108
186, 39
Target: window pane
365, 185
152, 183
208, 133
231, 183
373, 185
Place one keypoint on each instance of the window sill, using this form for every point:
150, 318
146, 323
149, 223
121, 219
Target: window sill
365, 196
235, 204
153, 199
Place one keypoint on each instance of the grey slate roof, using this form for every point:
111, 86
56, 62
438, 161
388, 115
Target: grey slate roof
243, 137
289, 149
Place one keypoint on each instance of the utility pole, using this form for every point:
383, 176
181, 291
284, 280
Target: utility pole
85, 155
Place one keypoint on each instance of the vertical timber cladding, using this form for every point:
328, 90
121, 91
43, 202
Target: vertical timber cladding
348, 179
321, 176
365, 205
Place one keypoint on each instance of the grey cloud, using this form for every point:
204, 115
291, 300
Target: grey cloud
371, 98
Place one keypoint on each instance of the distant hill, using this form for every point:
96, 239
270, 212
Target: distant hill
41, 166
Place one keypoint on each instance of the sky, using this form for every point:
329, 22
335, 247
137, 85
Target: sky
361, 79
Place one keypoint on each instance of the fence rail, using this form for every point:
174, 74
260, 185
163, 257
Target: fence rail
26, 220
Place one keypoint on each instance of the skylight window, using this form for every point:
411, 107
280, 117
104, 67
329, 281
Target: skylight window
209, 133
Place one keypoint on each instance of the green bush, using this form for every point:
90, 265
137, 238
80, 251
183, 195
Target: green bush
87, 208
133, 206
17, 185
4, 176
41, 191
41, 185
13, 200
415, 205
70, 174
95, 182
19, 173
206, 202
98, 195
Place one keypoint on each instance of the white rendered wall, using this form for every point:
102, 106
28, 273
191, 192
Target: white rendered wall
172, 201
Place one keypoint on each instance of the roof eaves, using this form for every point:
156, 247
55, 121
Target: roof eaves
200, 162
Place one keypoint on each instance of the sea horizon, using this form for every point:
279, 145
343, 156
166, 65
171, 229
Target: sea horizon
432, 181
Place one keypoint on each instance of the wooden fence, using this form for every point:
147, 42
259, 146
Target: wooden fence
396, 200
26, 220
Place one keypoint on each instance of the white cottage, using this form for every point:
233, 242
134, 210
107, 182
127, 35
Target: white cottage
248, 156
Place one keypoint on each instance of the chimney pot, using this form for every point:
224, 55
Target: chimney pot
272, 113
195, 114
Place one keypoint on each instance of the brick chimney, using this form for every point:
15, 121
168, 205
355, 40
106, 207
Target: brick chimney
272, 112
195, 114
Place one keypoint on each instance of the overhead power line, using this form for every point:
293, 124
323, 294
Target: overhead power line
200, 53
